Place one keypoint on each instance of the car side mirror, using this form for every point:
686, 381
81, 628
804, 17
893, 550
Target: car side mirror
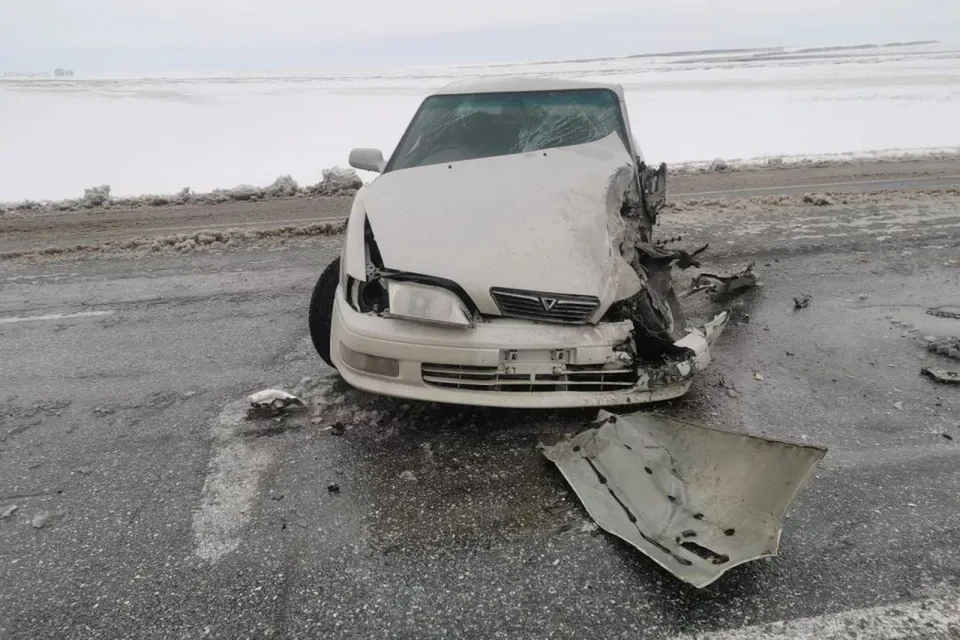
367, 160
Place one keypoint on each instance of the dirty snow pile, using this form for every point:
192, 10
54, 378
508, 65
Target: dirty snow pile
212, 240
726, 165
824, 199
336, 181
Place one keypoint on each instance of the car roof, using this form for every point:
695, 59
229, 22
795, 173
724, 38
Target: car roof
500, 84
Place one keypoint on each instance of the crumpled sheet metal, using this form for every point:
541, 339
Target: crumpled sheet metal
274, 401
696, 500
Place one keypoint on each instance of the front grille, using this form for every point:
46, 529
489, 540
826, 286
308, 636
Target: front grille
587, 377
550, 307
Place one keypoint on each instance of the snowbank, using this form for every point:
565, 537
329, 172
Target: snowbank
290, 235
819, 160
189, 242
336, 181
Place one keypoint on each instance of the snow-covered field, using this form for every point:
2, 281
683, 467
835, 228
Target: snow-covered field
160, 134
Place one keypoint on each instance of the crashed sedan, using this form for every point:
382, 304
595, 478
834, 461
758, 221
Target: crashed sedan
505, 257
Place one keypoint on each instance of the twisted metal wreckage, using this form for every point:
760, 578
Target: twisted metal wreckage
697, 500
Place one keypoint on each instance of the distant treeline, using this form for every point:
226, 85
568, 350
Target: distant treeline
57, 73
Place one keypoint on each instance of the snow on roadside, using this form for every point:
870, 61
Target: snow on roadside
336, 181
345, 181
692, 208
189, 242
813, 161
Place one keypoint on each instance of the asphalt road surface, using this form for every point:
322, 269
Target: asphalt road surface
149, 506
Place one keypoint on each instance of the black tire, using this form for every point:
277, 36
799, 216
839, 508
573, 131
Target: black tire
321, 309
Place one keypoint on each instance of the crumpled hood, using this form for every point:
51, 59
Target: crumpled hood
543, 221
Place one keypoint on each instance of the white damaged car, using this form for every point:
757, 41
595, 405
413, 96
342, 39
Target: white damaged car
504, 257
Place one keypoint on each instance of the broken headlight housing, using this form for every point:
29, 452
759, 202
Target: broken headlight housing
425, 303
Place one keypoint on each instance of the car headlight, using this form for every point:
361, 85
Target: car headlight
422, 302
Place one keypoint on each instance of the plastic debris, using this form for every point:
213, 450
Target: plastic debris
9, 511
274, 401
408, 476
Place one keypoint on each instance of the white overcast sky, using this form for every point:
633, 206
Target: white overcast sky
131, 35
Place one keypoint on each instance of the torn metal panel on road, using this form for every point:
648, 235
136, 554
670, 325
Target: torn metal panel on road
726, 285
941, 375
697, 500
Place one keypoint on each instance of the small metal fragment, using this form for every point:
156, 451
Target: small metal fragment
941, 375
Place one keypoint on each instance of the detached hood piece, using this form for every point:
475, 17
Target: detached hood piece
698, 501
540, 221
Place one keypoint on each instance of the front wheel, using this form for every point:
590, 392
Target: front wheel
321, 309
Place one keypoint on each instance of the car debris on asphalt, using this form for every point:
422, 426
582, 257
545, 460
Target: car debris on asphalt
40, 520
272, 402
725, 286
696, 500
801, 302
604, 326
336, 429
942, 376
9, 511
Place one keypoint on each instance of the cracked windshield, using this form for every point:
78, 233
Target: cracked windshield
466, 127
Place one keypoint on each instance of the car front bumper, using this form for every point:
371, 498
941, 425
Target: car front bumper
506, 362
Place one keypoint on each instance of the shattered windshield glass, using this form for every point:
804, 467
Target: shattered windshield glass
450, 128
